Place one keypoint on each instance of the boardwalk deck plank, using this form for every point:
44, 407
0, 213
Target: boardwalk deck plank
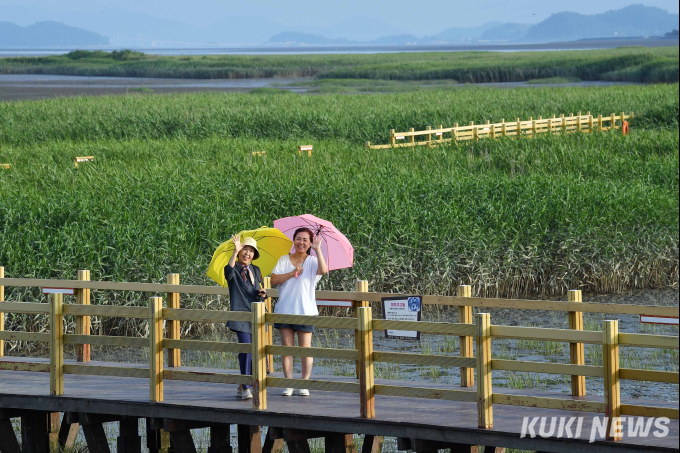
327, 411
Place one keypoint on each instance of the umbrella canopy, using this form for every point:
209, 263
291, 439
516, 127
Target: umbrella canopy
271, 243
336, 248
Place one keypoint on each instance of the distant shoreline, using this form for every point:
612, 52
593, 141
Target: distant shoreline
359, 49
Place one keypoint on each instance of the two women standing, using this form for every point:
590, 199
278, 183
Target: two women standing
296, 274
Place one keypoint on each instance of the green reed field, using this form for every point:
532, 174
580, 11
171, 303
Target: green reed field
174, 177
633, 64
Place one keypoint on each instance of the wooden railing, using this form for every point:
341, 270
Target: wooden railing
519, 128
480, 331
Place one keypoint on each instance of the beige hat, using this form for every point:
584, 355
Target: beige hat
250, 242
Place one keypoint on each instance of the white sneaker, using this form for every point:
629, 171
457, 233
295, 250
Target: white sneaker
287, 392
303, 392
246, 394
239, 392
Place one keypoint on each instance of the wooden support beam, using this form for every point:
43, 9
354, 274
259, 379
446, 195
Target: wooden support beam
334, 443
249, 439
220, 439
577, 350
53, 425
129, 440
271, 445
350, 445
259, 341
612, 390
8, 437
156, 348
56, 344
174, 359
34, 438
157, 440
95, 437
97, 419
270, 330
467, 375
298, 446
361, 286
484, 392
68, 431
182, 442
372, 444
82, 321
366, 384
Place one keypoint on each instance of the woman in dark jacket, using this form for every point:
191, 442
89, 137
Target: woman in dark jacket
244, 280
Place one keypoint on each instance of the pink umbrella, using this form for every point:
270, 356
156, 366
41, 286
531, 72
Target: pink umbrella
336, 248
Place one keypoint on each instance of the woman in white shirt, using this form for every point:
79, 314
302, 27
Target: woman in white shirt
296, 276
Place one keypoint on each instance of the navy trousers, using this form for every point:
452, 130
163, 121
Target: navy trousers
245, 361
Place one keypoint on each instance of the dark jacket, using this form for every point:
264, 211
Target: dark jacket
241, 293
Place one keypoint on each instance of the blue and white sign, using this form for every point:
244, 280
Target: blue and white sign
402, 309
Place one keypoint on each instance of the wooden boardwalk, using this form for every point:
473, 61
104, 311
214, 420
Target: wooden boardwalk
412, 418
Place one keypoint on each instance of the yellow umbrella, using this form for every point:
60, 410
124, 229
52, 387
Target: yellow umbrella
271, 243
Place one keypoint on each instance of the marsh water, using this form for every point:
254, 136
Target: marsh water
16, 87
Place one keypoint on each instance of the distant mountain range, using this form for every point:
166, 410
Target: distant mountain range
123, 29
631, 21
48, 34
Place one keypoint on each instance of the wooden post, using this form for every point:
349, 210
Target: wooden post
83, 322
249, 439
220, 439
361, 287
128, 440
578, 122
429, 137
270, 330
2, 314
612, 390
484, 392
519, 128
412, 138
156, 348
590, 122
533, 128
368, 146
612, 122
492, 131
504, 131
564, 123
259, 357
599, 123
34, 436
467, 375
622, 118
392, 139
454, 132
56, 344
174, 359
475, 133
366, 385
577, 352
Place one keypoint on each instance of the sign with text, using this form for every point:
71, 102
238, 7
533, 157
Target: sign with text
78, 160
659, 320
402, 309
58, 291
334, 303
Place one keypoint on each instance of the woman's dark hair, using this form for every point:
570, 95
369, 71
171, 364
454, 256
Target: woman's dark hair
305, 230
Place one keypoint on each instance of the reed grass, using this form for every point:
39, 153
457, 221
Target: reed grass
633, 64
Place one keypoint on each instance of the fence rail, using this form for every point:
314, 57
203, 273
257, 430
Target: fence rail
518, 128
478, 330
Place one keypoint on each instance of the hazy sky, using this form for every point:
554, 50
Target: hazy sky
422, 16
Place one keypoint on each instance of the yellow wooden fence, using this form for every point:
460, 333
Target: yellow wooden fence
518, 128
478, 329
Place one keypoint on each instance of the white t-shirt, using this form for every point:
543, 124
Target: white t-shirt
297, 295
